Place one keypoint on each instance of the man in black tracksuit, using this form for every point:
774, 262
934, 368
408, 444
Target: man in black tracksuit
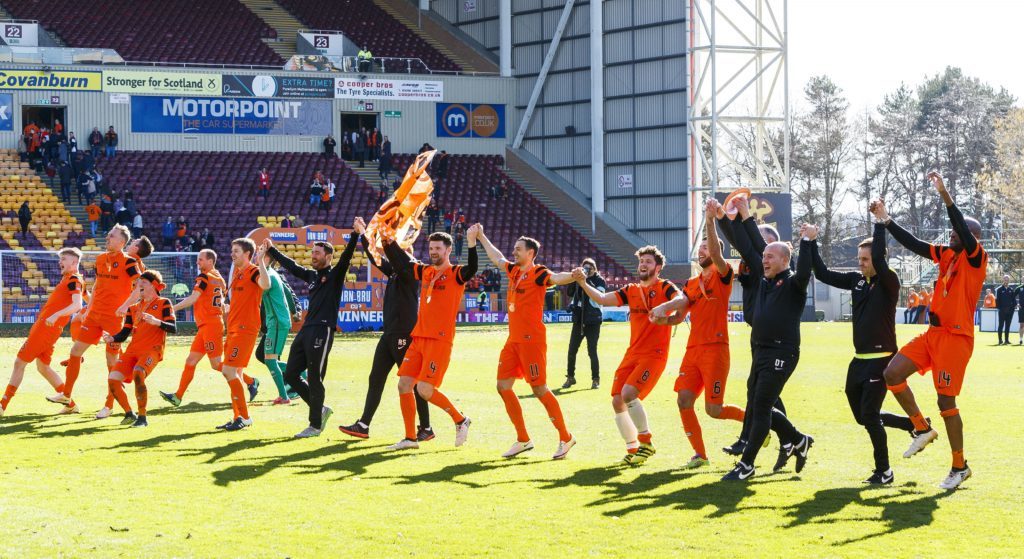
401, 305
875, 291
586, 323
1006, 302
745, 225
313, 342
778, 303
1019, 294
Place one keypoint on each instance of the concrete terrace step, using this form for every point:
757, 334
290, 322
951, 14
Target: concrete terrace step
281, 20
401, 10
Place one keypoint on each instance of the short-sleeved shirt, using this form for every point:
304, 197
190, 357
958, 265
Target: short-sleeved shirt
275, 302
526, 290
990, 301
709, 308
209, 307
645, 337
958, 288
62, 295
441, 293
244, 314
148, 337
913, 300
115, 274
93, 211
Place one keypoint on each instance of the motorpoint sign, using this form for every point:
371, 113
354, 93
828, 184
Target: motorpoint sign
180, 83
51, 80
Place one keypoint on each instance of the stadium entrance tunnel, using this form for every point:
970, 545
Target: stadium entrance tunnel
45, 116
353, 122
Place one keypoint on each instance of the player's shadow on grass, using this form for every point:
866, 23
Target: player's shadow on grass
25, 423
354, 464
453, 472
192, 407
642, 494
899, 508
146, 444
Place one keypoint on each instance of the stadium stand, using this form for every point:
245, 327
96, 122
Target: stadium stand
189, 31
368, 25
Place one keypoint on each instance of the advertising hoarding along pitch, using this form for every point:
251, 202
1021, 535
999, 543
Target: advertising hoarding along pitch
395, 90
179, 83
188, 115
286, 87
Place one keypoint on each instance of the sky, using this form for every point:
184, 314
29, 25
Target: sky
869, 47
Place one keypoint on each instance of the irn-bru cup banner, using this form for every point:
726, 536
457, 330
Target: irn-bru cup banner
467, 120
197, 115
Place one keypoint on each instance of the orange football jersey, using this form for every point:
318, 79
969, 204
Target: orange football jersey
209, 307
709, 308
526, 289
115, 275
441, 295
645, 337
246, 296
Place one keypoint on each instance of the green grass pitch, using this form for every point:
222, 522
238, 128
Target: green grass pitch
79, 487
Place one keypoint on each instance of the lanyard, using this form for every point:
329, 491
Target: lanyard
513, 287
433, 280
950, 273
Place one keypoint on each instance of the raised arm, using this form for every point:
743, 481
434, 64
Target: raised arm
604, 299
714, 248
305, 274
802, 277
902, 236
359, 226
821, 271
956, 219
751, 257
492, 251
467, 272
340, 269
561, 278
262, 277
398, 258
750, 226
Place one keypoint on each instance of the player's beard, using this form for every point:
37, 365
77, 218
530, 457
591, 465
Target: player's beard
644, 276
705, 263
436, 260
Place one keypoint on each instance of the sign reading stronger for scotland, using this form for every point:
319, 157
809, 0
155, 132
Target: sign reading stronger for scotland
395, 90
189, 115
180, 83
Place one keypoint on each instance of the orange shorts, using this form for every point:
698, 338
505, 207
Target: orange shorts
91, 329
40, 342
945, 354
639, 371
426, 360
528, 361
128, 362
238, 348
705, 367
209, 340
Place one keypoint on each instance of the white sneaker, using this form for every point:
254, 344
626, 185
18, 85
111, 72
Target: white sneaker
2, 410
68, 410
103, 413
59, 398
920, 441
955, 478
462, 432
518, 448
308, 432
404, 444
564, 447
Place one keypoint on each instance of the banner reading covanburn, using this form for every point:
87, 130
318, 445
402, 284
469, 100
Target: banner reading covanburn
58, 80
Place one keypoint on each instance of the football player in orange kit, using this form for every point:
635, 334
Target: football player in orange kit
207, 302
426, 361
246, 289
115, 276
647, 354
525, 353
705, 367
148, 323
946, 346
64, 301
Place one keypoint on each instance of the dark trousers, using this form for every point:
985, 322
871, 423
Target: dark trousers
390, 351
591, 332
865, 390
748, 417
772, 368
1005, 318
309, 353
65, 192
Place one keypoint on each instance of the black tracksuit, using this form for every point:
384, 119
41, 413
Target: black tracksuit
1006, 302
747, 228
586, 324
778, 305
401, 305
874, 331
313, 342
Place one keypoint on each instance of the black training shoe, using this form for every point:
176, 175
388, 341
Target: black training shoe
424, 434
785, 451
569, 382
226, 425
736, 448
141, 422
238, 424
880, 478
741, 472
801, 451
357, 430
254, 389
129, 418
595, 384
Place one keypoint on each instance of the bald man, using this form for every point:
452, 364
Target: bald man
778, 303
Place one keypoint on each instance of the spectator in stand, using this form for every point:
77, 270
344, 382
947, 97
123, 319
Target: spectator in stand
365, 58
182, 227
83, 186
458, 237
263, 186
286, 222
316, 190
483, 302
361, 148
24, 218
136, 225
912, 300
58, 127
129, 202
107, 215
195, 242
169, 232
111, 140
371, 145
384, 162
332, 191
118, 204
425, 147
72, 146
433, 216
382, 194
329, 144
94, 212
346, 146
124, 217
325, 198
207, 238
440, 167
449, 220
298, 223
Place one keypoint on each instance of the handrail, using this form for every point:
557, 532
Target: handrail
35, 21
